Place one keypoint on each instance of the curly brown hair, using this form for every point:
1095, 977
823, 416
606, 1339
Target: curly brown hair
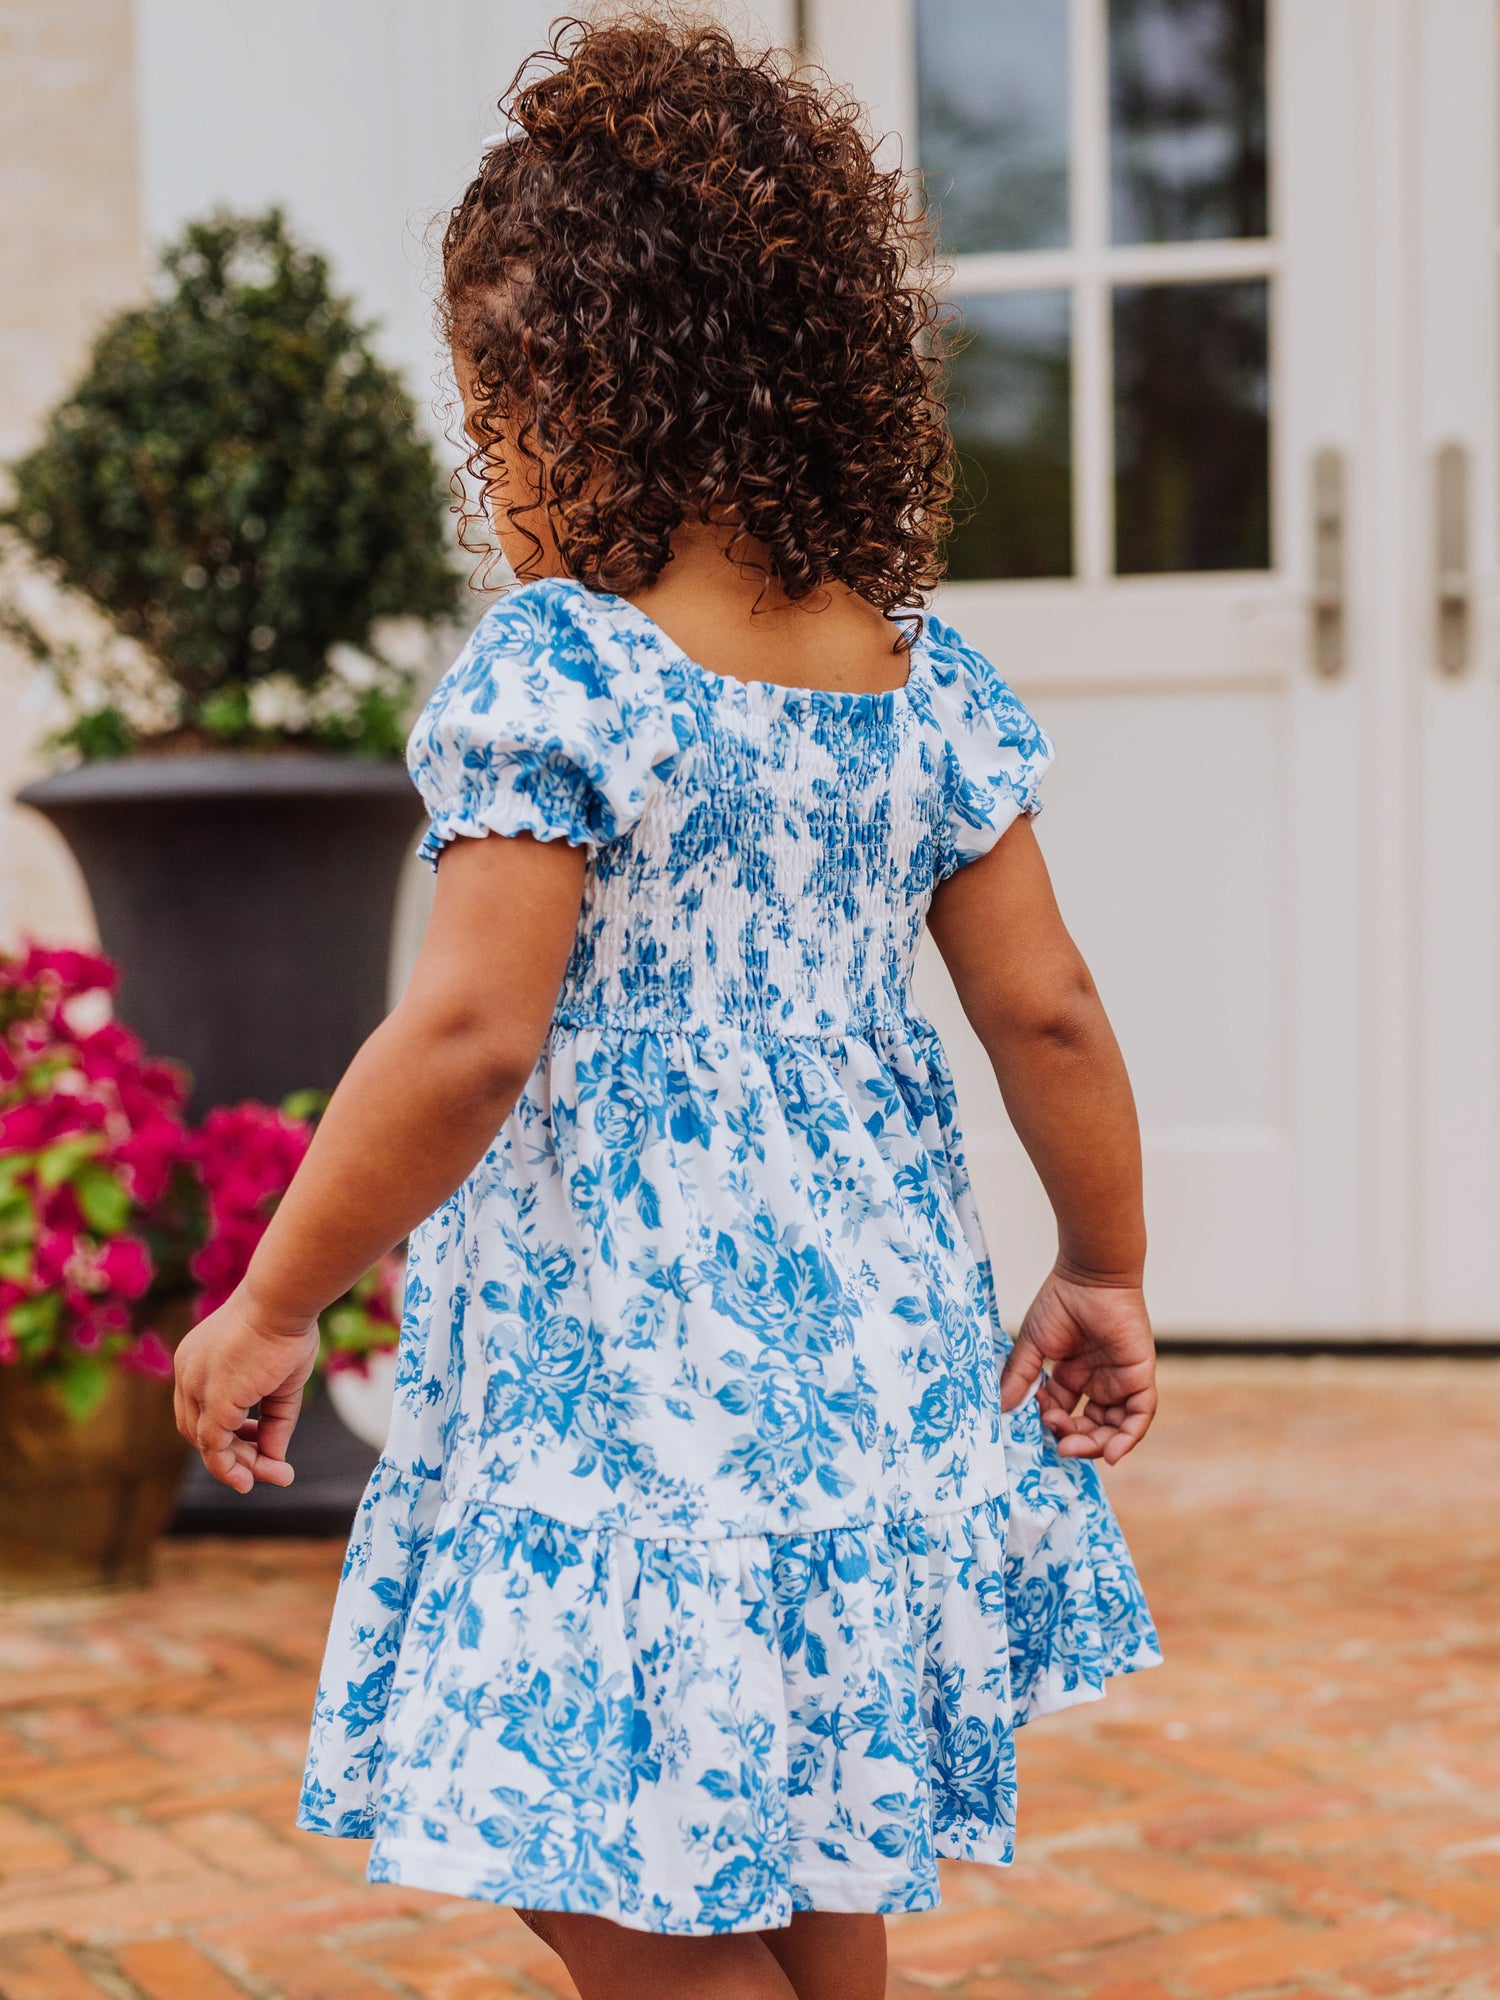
685, 288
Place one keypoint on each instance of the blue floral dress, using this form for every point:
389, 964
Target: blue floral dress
702, 1579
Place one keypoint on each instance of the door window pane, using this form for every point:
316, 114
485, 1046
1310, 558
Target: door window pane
1187, 91
992, 121
1010, 388
1192, 430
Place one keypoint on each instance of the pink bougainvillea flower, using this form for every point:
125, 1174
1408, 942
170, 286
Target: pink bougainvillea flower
56, 1254
26, 1126
150, 1356
246, 1155
73, 971
124, 1264
93, 1132
105, 1166
146, 1158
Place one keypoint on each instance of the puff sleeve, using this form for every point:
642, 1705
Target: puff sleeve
993, 756
546, 724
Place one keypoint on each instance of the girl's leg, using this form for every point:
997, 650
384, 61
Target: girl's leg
828, 1955
607, 1962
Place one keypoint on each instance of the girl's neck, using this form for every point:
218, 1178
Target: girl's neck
733, 617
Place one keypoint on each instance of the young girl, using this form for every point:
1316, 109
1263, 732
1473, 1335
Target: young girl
713, 1559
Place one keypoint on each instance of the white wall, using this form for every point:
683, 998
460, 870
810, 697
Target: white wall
363, 118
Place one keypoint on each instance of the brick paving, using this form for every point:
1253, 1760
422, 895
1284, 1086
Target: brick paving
1305, 1802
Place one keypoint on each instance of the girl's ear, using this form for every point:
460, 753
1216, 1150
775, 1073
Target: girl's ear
514, 482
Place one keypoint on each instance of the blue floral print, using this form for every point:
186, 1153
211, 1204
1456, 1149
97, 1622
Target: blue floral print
702, 1579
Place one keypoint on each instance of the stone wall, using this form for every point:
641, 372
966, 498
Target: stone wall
70, 254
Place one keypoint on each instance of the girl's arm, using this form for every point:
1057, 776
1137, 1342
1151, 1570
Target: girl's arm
1028, 995
417, 1109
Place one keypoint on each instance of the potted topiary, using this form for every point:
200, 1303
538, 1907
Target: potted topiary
239, 486
119, 1227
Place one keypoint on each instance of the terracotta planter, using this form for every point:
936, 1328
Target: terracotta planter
82, 1503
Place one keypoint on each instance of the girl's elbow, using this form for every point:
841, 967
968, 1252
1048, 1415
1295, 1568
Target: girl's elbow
1065, 1016
502, 1064
501, 1074
490, 1059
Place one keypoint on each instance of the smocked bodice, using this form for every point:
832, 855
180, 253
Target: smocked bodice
763, 857
777, 878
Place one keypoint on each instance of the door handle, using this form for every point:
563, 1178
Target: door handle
1328, 594
1454, 588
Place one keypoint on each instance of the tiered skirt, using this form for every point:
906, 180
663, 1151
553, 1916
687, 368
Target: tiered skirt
696, 1736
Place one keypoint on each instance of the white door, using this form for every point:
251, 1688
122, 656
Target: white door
1164, 317
1445, 684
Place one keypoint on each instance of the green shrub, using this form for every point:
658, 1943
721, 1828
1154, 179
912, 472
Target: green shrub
240, 485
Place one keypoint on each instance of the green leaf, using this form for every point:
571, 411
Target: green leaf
102, 732
344, 1325
105, 1204
84, 1385
35, 1319
17, 1217
43, 1073
226, 714
15, 1263
307, 1105
346, 1328
61, 1161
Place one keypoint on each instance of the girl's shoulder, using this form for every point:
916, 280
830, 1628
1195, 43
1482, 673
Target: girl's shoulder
553, 637
548, 722
969, 693
992, 752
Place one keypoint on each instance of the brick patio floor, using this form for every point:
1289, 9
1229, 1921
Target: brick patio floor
1305, 1801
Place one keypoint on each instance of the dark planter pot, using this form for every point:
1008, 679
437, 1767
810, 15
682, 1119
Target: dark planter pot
248, 901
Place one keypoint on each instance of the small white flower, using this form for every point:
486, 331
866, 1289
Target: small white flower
405, 642
354, 668
278, 702
252, 264
86, 1013
333, 700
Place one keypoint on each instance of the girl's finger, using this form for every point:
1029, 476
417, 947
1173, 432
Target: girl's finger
217, 1435
278, 1419
1133, 1427
227, 1468
267, 1467
1079, 1444
1022, 1367
272, 1471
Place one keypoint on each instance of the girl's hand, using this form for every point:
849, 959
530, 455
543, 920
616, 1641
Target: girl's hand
1098, 1338
229, 1363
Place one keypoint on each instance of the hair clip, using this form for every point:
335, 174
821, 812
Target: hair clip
508, 132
